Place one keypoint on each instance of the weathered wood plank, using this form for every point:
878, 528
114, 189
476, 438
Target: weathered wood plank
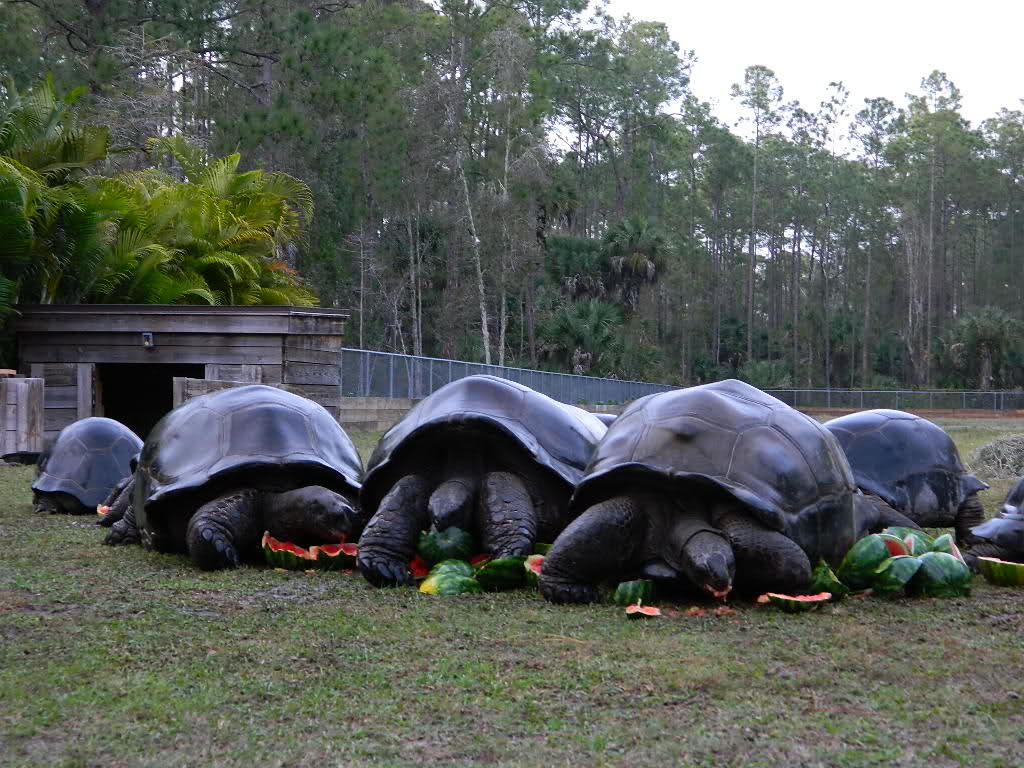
56, 374
161, 354
163, 319
21, 416
74, 337
61, 397
312, 373
309, 323
243, 373
86, 377
55, 419
321, 356
328, 343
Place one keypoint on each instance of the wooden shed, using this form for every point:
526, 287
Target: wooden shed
119, 360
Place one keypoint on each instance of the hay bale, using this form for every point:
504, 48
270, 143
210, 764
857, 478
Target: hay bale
1003, 457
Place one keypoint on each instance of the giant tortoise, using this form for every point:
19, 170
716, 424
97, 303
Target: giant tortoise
83, 464
912, 465
483, 454
706, 486
220, 469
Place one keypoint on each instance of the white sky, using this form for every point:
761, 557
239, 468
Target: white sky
875, 48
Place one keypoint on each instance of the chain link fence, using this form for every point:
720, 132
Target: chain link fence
386, 374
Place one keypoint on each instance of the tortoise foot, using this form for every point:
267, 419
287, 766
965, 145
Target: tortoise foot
384, 571
557, 591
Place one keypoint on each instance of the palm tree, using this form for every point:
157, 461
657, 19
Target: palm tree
986, 335
636, 251
583, 334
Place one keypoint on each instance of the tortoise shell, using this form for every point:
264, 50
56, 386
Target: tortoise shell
908, 462
782, 466
254, 436
1006, 530
557, 437
86, 460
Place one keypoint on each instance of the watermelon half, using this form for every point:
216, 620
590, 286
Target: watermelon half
894, 574
1001, 572
857, 571
940, 575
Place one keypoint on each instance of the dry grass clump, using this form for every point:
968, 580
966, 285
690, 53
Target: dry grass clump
1003, 457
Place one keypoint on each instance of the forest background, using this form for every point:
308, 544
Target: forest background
532, 183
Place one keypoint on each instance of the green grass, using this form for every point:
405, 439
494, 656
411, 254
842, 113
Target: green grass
123, 657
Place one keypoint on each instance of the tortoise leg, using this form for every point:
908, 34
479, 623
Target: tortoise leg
508, 522
311, 515
703, 554
390, 538
603, 543
986, 549
125, 530
225, 531
970, 514
765, 559
118, 502
44, 505
451, 504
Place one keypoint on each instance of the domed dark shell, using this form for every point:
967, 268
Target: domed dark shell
87, 459
908, 461
782, 465
558, 437
1006, 530
257, 436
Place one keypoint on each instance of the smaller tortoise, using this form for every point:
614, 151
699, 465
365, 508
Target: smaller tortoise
482, 454
704, 486
1001, 537
913, 466
220, 469
83, 464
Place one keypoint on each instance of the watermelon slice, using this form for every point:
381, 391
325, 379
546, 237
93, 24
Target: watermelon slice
797, 603
533, 566
1001, 572
284, 554
640, 611
824, 580
334, 557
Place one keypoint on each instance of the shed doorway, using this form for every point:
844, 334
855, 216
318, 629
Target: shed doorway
139, 394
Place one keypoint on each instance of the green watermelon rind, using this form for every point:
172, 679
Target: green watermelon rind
452, 567
824, 579
940, 575
798, 603
447, 584
449, 544
284, 554
857, 571
1002, 573
634, 592
502, 573
946, 543
893, 575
